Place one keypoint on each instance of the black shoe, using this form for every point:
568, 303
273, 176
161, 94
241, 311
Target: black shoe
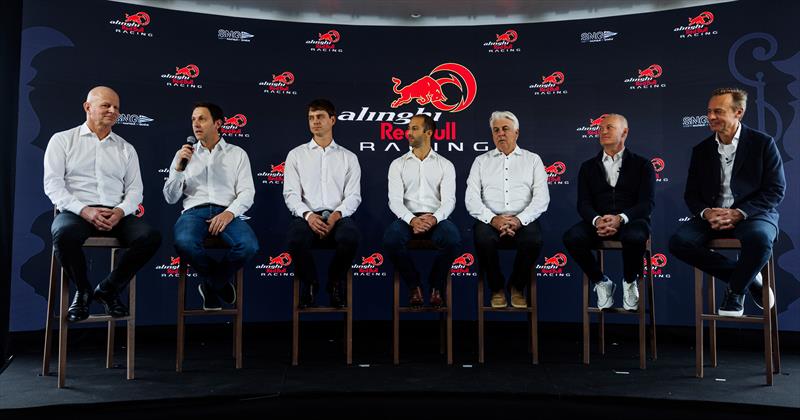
228, 293
210, 299
307, 296
79, 309
335, 294
111, 302
732, 304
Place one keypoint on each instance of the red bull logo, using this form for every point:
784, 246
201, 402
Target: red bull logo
703, 19
375, 259
553, 266
142, 19
172, 269
238, 120
550, 85
592, 129
287, 78
283, 259
508, 36
503, 42
647, 78
184, 76
279, 168
429, 89
274, 175
190, 71
331, 36
556, 78
653, 71
465, 259
595, 122
658, 167
657, 263
369, 265
174, 260
460, 266
558, 260
555, 171
232, 126
276, 266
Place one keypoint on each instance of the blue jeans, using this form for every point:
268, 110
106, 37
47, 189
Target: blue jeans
191, 230
689, 245
448, 242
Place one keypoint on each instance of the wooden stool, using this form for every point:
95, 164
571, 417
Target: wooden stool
92, 242
211, 242
768, 319
445, 312
347, 311
531, 310
641, 312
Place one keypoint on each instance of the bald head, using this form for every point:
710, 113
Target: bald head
102, 110
99, 92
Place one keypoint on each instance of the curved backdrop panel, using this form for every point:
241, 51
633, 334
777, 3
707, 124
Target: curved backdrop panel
656, 69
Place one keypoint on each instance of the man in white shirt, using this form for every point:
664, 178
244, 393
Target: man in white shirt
422, 194
322, 189
616, 195
734, 186
92, 176
506, 193
215, 179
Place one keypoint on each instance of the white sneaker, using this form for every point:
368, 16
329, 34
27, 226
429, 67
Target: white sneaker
630, 295
755, 292
605, 293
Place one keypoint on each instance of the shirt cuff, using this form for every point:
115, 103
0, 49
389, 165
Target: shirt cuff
624, 218
407, 217
703, 211
743, 213
595, 220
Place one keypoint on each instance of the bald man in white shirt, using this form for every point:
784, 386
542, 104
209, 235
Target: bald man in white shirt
506, 194
92, 177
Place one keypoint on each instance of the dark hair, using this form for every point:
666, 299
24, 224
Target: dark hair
321, 104
427, 122
213, 109
739, 96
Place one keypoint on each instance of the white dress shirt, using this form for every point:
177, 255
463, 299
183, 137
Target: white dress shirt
317, 179
515, 184
727, 155
612, 165
81, 169
219, 176
422, 186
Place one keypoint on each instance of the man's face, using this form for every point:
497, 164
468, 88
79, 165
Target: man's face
416, 134
613, 132
203, 125
504, 135
723, 116
320, 123
102, 108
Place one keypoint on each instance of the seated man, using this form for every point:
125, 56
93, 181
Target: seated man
734, 186
422, 194
615, 199
217, 187
506, 193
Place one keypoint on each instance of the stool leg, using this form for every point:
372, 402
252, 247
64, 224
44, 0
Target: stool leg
237, 324
63, 325
111, 323
712, 324
642, 328
349, 319
602, 315
181, 318
295, 318
652, 302
585, 312
480, 317
396, 318
767, 324
48, 329
449, 298
131, 328
698, 323
774, 316
534, 319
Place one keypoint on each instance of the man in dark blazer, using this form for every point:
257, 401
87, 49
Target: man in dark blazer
615, 199
734, 186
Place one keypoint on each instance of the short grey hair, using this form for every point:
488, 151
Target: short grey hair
504, 114
620, 117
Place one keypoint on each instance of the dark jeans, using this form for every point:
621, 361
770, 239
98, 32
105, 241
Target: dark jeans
528, 243
70, 232
444, 235
343, 239
689, 245
191, 230
581, 239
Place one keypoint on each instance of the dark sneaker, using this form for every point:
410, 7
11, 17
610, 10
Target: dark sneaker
228, 293
732, 304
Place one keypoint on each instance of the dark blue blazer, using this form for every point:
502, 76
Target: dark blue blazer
757, 180
633, 195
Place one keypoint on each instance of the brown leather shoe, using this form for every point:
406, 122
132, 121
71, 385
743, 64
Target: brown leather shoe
436, 298
499, 299
518, 299
415, 297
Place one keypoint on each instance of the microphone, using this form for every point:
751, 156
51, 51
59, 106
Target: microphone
191, 140
325, 215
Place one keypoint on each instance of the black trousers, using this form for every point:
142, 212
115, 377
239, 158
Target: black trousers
581, 239
343, 239
528, 243
70, 231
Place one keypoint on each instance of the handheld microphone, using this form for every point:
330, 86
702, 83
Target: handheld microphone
325, 215
191, 140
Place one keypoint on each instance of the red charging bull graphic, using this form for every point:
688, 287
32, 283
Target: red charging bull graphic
697, 26
658, 167
274, 175
133, 24
503, 42
461, 264
143, 19
276, 266
369, 265
232, 126
331, 36
657, 264
555, 171
326, 42
592, 130
429, 89
185, 76
647, 78
287, 78
550, 85
553, 266
279, 84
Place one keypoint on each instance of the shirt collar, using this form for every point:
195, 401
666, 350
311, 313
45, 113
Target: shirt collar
517, 151
410, 155
735, 141
614, 158
222, 144
313, 145
85, 131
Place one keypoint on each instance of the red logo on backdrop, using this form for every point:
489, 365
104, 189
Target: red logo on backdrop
232, 126
555, 171
503, 42
556, 78
460, 266
703, 19
697, 26
280, 84
287, 78
184, 77
133, 24
142, 18
331, 36
596, 121
657, 264
551, 85
326, 42
274, 175
279, 168
658, 167
646, 78
553, 266
276, 266
238, 120
369, 265
139, 211
173, 267
191, 71
429, 90
593, 129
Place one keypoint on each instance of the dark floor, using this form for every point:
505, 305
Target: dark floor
422, 385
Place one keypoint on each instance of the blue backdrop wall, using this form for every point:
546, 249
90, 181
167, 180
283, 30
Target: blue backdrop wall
657, 69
